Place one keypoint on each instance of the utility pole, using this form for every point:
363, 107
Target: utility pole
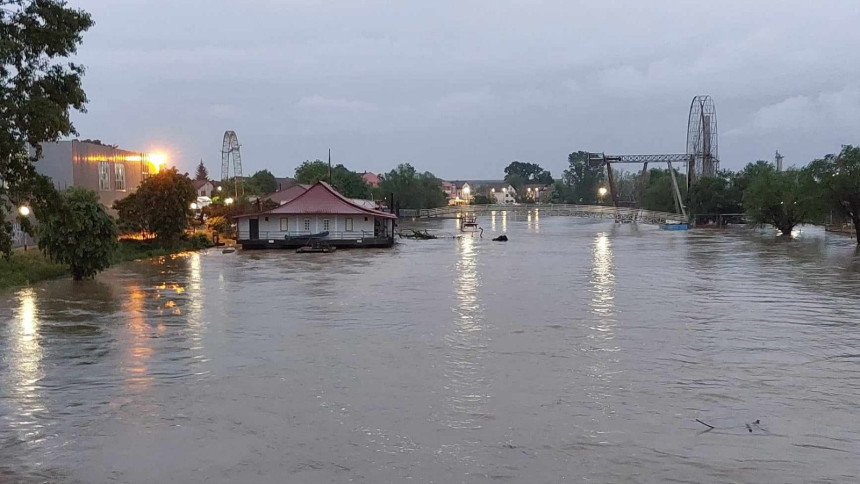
329, 166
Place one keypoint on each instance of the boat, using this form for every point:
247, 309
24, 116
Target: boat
318, 235
316, 249
675, 226
228, 250
469, 224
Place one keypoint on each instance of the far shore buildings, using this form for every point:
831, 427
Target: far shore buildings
318, 215
111, 172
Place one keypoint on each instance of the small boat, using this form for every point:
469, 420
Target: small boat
469, 224
316, 249
674, 226
228, 250
318, 235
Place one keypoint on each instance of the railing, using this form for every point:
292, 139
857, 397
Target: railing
592, 211
281, 235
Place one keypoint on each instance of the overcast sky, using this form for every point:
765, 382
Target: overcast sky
463, 88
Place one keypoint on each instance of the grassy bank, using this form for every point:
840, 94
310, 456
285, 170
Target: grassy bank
29, 267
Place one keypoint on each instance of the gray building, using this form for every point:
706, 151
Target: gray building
111, 172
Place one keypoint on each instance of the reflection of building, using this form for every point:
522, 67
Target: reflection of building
111, 172
319, 215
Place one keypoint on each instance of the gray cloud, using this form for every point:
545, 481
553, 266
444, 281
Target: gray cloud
463, 88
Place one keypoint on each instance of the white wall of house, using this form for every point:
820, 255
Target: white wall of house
272, 224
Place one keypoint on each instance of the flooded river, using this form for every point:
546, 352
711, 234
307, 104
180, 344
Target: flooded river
580, 351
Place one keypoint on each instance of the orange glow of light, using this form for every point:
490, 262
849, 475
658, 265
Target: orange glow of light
157, 160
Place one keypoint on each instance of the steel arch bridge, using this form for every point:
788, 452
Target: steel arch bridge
563, 210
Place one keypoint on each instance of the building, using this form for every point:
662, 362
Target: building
318, 215
205, 188
538, 192
372, 179
111, 172
505, 194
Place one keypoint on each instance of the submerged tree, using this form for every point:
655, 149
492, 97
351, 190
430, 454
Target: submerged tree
160, 206
779, 198
838, 184
78, 231
37, 90
518, 173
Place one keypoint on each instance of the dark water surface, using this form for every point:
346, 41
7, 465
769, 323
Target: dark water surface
580, 351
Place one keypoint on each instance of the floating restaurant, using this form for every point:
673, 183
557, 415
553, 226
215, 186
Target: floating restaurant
318, 216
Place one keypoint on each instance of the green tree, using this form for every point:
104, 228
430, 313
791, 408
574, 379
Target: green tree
659, 192
526, 173
412, 189
781, 199
37, 90
836, 181
583, 179
262, 183
349, 183
716, 195
78, 232
160, 206
202, 172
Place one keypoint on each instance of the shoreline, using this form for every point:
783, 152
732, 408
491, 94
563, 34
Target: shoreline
31, 266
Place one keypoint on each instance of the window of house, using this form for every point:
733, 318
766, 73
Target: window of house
104, 175
307, 224
347, 224
285, 224
119, 175
325, 224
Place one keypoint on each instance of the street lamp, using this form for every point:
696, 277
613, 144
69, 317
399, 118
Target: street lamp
228, 200
602, 191
24, 211
219, 188
193, 205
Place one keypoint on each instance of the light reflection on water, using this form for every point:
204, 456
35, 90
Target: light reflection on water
465, 344
26, 368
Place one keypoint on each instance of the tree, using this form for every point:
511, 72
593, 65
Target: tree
160, 206
779, 199
202, 172
412, 189
349, 183
716, 195
582, 178
78, 232
37, 90
836, 181
659, 193
526, 173
262, 183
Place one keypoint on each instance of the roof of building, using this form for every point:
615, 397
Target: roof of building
198, 184
371, 179
283, 196
321, 198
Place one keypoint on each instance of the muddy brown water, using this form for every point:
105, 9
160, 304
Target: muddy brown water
579, 351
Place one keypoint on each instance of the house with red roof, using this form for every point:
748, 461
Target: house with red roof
372, 179
319, 215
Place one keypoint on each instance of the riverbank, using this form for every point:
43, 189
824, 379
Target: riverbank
29, 267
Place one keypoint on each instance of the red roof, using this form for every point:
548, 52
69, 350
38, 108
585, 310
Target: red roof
283, 196
371, 179
323, 199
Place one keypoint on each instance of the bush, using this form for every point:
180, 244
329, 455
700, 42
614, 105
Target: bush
200, 241
79, 232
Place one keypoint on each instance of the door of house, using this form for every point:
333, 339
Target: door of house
254, 228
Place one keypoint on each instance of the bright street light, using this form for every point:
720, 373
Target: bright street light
602, 191
24, 210
228, 201
219, 188
193, 206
